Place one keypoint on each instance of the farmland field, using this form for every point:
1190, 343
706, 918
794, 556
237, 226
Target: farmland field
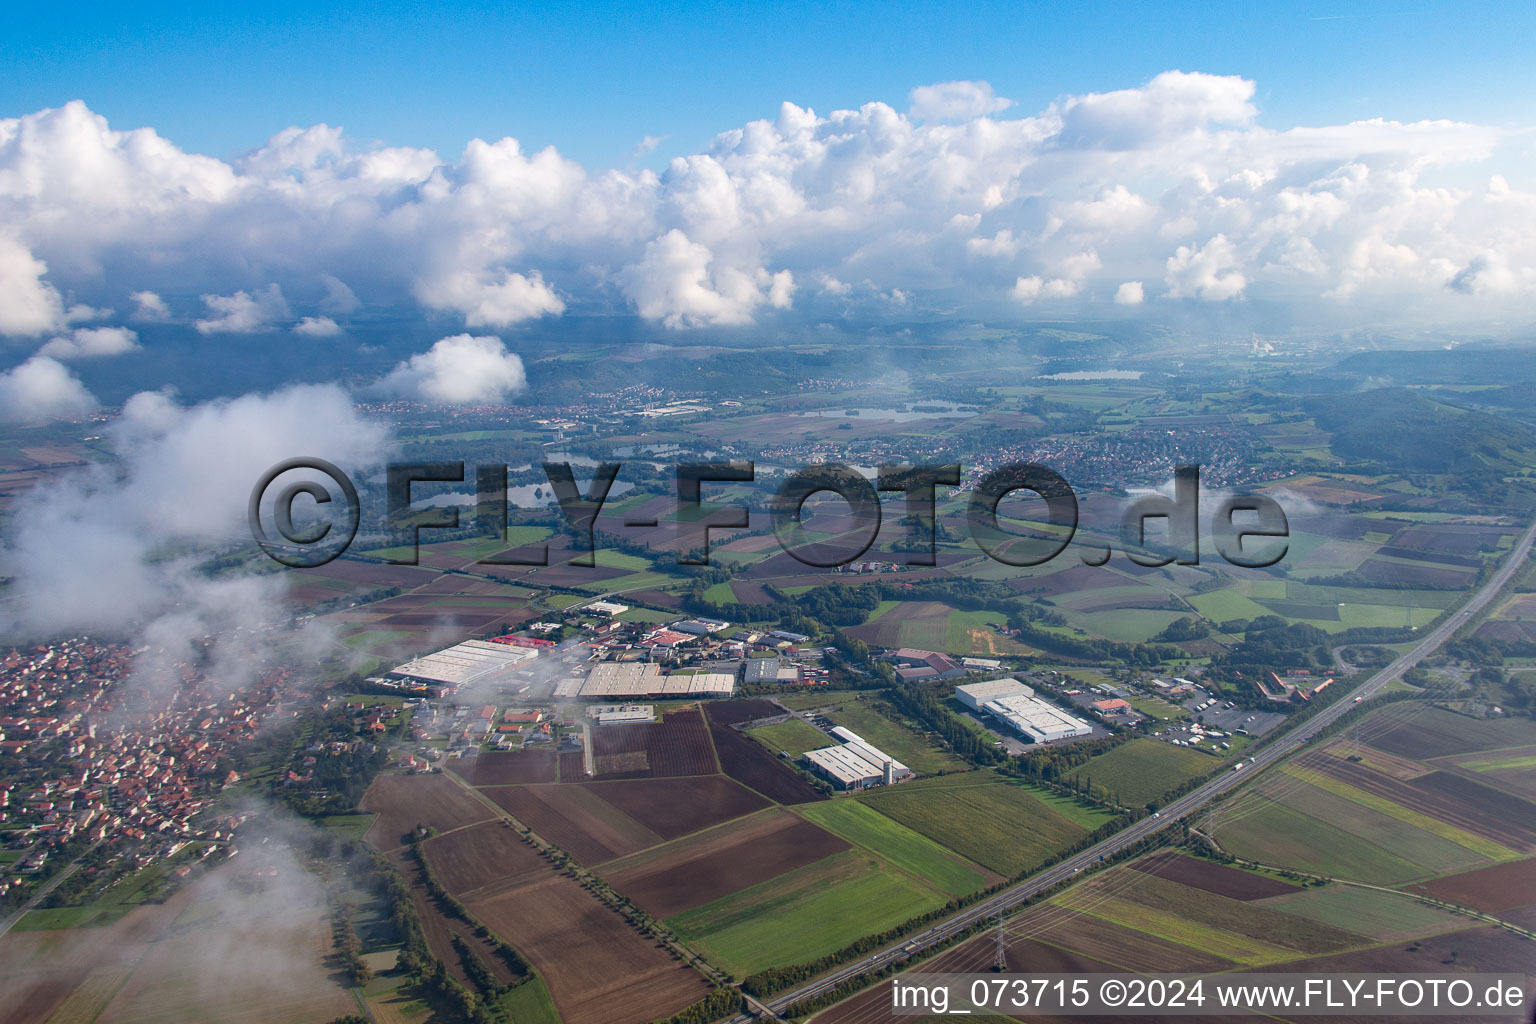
675, 807
1381, 915
1262, 830
505, 769
721, 861
1143, 769
804, 914
676, 745
1004, 827
578, 821
1232, 883
1497, 888
751, 765
467, 859
405, 801
900, 845
794, 736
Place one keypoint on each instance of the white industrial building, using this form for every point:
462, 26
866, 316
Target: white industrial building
613, 714
856, 764
1036, 719
620, 679
469, 662
974, 695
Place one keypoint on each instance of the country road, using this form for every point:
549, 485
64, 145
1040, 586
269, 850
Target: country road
1267, 754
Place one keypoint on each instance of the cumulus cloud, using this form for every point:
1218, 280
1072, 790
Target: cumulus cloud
42, 389
949, 204
243, 312
149, 307
955, 101
1130, 293
460, 370
28, 304
89, 342
317, 327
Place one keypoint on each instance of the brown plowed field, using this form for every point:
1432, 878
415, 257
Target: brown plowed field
513, 768
749, 764
728, 859
579, 822
439, 929
734, 712
1216, 878
599, 969
676, 807
1491, 889
573, 766
677, 745
477, 856
1461, 802
1112, 943
405, 801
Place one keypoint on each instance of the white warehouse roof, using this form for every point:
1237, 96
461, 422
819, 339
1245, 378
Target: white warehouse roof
1033, 717
974, 695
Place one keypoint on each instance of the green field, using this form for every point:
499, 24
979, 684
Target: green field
1143, 770
1385, 916
720, 593
646, 615
1171, 926
815, 699
1004, 827
804, 914
795, 736
1156, 707
1510, 764
896, 843
529, 1003
1263, 831
894, 738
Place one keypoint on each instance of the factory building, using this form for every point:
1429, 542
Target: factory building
856, 764
974, 695
610, 680
1035, 719
469, 662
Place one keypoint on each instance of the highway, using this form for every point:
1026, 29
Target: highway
1266, 754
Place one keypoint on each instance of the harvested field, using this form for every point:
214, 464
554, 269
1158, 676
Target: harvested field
1232, 883
1491, 889
472, 858
677, 745
599, 970
1459, 540
1419, 734
1126, 949
580, 822
1485, 950
749, 764
1402, 574
734, 712
720, 862
675, 807
1454, 799
404, 801
752, 593
509, 769
573, 766
439, 929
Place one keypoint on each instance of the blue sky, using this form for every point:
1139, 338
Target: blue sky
594, 78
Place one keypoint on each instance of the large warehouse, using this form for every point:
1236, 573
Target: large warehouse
856, 764
469, 662
612, 680
1034, 718
974, 695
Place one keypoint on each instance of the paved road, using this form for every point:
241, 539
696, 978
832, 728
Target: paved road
1189, 803
48, 887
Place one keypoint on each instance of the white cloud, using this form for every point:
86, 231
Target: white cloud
339, 299
242, 312
149, 307
88, 342
1208, 272
317, 327
955, 101
1027, 289
944, 205
42, 389
460, 370
500, 302
1130, 293
28, 304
